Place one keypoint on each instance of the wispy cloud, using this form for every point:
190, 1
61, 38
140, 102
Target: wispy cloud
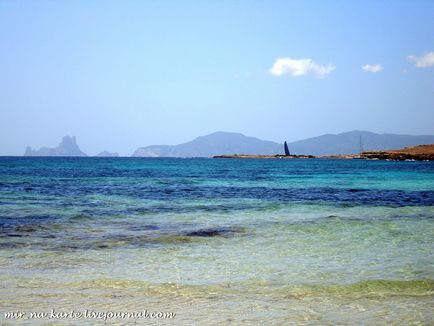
299, 67
373, 68
424, 61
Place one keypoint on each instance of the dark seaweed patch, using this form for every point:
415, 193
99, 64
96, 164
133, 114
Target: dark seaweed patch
214, 232
147, 227
14, 235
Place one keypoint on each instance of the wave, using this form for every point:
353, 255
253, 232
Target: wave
183, 191
366, 288
376, 288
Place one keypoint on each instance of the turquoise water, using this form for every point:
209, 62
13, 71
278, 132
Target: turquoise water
240, 242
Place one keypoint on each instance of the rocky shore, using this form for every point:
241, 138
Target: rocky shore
417, 153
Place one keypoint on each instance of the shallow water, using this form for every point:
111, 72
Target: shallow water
276, 242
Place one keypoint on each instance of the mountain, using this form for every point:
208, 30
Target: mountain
227, 143
349, 143
217, 143
107, 154
67, 147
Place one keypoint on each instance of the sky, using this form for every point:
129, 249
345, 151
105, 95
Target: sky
119, 75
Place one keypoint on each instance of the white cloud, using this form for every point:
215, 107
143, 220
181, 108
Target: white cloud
299, 67
373, 68
427, 60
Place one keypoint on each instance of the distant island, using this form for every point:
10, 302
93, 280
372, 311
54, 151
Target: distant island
217, 143
107, 154
229, 144
67, 147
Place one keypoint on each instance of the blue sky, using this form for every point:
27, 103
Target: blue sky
123, 74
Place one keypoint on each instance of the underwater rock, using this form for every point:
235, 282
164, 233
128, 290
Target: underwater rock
214, 232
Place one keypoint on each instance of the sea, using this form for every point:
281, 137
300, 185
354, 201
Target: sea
167, 241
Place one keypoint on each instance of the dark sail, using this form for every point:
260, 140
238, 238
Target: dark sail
285, 145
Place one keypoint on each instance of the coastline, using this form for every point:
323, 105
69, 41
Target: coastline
414, 153
264, 156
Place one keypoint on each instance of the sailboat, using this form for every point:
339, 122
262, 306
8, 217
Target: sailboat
285, 146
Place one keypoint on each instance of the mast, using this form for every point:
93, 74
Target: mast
360, 145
